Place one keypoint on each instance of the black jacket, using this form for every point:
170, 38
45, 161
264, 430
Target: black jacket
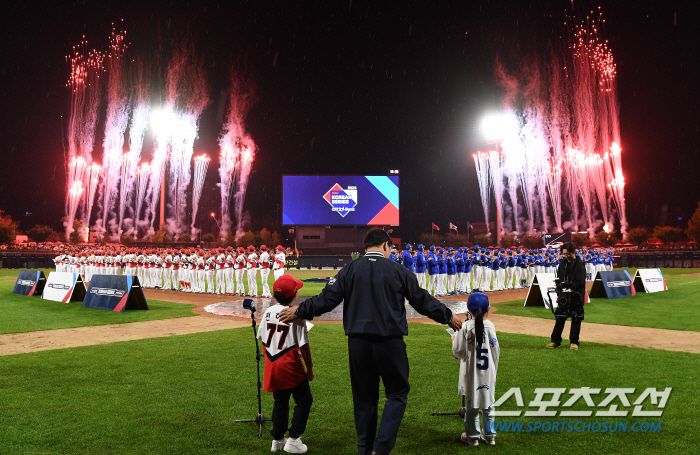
575, 273
373, 290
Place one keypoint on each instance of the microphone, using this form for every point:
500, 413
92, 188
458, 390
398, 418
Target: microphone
248, 304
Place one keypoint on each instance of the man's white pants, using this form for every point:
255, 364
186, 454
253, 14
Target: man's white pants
421, 279
451, 281
220, 282
432, 284
167, 274
478, 277
264, 273
210, 281
201, 276
228, 275
252, 282
175, 276
239, 281
443, 284
486, 276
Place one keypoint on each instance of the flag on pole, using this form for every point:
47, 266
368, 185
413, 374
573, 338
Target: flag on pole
435, 226
452, 226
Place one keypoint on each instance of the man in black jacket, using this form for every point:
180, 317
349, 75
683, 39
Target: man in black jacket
573, 272
374, 289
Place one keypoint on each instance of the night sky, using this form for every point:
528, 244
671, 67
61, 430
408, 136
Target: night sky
358, 87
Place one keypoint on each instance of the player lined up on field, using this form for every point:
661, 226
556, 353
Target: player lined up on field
217, 271
446, 271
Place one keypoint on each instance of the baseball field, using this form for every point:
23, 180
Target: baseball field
173, 379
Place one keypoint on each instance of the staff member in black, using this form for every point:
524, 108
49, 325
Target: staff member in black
373, 289
572, 271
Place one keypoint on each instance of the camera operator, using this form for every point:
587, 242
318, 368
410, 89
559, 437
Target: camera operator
571, 289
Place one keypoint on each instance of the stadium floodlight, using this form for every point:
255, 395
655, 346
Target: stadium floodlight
498, 126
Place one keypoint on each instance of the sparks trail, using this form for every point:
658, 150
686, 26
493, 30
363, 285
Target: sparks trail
201, 164
115, 125
85, 68
137, 130
237, 152
566, 130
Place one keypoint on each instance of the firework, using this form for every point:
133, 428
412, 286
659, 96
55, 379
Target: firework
137, 129
237, 152
481, 161
201, 163
85, 68
568, 132
115, 126
92, 177
142, 175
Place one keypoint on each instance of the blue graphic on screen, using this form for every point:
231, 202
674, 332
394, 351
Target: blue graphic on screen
332, 200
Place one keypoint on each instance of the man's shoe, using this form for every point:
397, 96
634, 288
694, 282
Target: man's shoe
488, 440
552, 345
466, 440
574, 347
278, 445
295, 446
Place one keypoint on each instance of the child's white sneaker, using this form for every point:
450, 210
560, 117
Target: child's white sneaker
467, 440
278, 445
488, 440
295, 446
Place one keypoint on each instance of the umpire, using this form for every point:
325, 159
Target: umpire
573, 272
374, 290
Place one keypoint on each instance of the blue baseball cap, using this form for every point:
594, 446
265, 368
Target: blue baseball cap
487, 251
432, 247
442, 250
476, 247
421, 246
408, 245
393, 246
460, 249
503, 250
478, 301
518, 251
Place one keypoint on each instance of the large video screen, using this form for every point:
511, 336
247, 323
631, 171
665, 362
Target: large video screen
340, 200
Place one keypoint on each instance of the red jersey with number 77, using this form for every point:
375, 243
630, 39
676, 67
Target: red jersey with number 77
281, 342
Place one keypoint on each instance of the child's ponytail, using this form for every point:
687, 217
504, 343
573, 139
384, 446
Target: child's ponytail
479, 326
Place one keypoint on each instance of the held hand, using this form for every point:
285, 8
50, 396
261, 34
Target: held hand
455, 323
310, 375
287, 315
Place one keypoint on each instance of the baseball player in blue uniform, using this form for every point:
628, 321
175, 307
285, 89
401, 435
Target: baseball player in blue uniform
433, 270
407, 258
421, 265
442, 273
451, 271
393, 255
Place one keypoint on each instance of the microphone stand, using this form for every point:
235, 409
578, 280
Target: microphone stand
260, 418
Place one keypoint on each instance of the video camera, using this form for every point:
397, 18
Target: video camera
566, 297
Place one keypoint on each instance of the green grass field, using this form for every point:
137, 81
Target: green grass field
676, 309
180, 395
20, 313
27, 314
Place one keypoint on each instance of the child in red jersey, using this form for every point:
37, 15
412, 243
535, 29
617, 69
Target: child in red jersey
285, 376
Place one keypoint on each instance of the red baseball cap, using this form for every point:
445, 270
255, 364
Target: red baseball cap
287, 285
